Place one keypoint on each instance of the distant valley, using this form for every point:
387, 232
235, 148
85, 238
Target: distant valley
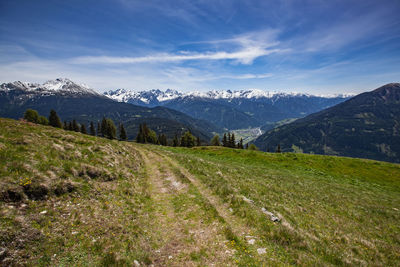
232, 110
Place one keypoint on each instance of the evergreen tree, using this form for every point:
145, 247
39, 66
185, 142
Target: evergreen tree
215, 140
103, 127
175, 141
229, 140
83, 129
198, 142
70, 127
163, 140
43, 120
54, 120
110, 131
146, 135
31, 115
278, 149
232, 141
240, 144
65, 126
91, 129
183, 141
151, 136
140, 136
268, 149
247, 145
75, 126
98, 129
122, 132
188, 140
224, 140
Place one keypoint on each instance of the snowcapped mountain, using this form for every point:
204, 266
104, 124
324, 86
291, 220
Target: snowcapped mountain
155, 97
57, 86
232, 109
146, 97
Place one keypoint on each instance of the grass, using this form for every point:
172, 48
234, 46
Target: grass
73, 199
86, 202
335, 210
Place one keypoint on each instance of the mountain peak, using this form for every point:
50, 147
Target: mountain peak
62, 85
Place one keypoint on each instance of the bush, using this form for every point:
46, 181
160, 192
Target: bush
43, 120
31, 115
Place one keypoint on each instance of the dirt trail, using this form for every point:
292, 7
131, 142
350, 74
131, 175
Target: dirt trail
183, 233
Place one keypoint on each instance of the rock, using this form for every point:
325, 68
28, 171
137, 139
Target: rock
271, 215
261, 251
251, 241
43, 212
3, 253
137, 264
169, 257
248, 200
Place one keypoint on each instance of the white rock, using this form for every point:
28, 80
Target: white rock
261, 251
137, 264
43, 212
169, 257
74, 233
251, 241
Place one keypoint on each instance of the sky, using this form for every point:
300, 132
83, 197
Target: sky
314, 46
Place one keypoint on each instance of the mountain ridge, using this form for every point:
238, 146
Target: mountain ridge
365, 126
74, 101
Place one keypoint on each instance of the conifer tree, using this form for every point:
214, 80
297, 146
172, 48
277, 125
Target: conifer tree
175, 141
91, 129
215, 140
140, 136
75, 126
65, 127
229, 140
188, 140
31, 115
198, 142
83, 129
122, 132
232, 141
54, 120
103, 127
110, 131
247, 145
224, 140
162, 139
98, 129
70, 127
240, 144
278, 149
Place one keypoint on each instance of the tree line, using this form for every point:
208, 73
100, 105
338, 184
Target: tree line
104, 129
146, 135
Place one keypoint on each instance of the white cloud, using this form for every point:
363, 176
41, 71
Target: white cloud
248, 47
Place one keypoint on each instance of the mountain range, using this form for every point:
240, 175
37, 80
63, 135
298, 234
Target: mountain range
365, 126
75, 101
232, 110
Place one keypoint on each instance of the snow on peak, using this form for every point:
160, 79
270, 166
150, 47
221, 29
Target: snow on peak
155, 96
62, 85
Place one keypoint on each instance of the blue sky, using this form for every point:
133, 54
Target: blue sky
314, 46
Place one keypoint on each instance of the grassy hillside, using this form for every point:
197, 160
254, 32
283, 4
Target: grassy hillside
71, 199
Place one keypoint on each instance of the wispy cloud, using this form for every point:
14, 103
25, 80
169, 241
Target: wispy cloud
247, 48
